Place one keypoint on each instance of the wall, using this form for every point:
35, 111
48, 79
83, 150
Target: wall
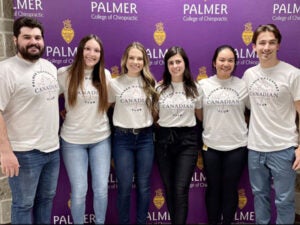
6, 50
158, 25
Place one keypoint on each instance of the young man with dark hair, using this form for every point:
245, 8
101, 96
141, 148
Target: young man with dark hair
274, 155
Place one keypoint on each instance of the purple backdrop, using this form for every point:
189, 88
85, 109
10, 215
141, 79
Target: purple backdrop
197, 25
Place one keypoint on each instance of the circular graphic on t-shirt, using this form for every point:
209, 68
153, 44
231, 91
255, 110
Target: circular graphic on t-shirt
263, 90
45, 84
223, 98
176, 102
89, 93
134, 98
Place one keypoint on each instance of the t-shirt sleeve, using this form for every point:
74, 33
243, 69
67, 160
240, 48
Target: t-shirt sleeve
62, 74
111, 93
295, 85
6, 90
107, 75
200, 97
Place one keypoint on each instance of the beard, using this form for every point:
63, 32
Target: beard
26, 54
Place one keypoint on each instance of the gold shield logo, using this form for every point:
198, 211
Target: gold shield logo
202, 73
159, 34
69, 202
242, 198
200, 162
247, 34
114, 71
67, 32
158, 199
112, 163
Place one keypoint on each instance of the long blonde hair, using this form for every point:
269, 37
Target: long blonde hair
147, 77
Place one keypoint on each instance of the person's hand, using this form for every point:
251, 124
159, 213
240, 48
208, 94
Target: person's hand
296, 164
9, 164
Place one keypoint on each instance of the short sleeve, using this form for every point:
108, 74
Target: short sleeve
111, 92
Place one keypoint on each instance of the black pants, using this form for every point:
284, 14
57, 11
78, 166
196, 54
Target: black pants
223, 171
176, 154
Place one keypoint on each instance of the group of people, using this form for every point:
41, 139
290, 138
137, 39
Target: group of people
151, 120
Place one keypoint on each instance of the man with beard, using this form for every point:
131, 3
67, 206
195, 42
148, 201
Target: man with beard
29, 122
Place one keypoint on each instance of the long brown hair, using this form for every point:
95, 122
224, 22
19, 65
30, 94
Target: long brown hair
76, 75
188, 82
148, 79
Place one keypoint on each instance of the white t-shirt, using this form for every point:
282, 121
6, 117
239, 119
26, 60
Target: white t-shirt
224, 102
272, 94
175, 109
130, 109
29, 103
83, 123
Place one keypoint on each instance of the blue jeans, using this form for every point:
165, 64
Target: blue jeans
275, 167
77, 158
35, 187
133, 154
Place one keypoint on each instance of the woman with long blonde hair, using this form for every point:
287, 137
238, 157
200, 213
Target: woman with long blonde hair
135, 98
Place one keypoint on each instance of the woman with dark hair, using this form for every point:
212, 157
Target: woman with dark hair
176, 136
223, 98
134, 97
85, 132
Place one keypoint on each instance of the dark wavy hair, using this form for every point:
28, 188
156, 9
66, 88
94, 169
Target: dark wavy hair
26, 22
188, 81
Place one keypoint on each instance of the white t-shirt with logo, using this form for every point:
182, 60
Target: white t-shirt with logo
175, 109
130, 110
272, 94
29, 103
83, 123
224, 103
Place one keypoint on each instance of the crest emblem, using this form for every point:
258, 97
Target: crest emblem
242, 198
159, 34
114, 71
112, 163
202, 73
69, 202
67, 32
159, 199
200, 162
247, 34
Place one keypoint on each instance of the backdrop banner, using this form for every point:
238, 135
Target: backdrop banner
199, 26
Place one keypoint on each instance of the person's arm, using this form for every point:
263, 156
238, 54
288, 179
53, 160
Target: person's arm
9, 162
296, 164
199, 114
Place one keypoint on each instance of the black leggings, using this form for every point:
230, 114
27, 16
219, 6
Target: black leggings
223, 170
176, 154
